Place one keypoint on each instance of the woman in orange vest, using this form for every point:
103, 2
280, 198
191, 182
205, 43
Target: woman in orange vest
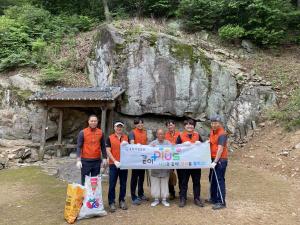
219, 157
90, 149
188, 136
138, 136
171, 135
113, 143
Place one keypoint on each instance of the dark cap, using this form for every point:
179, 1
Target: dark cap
215, 118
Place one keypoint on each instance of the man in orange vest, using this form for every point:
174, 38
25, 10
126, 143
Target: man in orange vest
219, 156
171, 135
138, 136
188, 136
90, 149
113, 143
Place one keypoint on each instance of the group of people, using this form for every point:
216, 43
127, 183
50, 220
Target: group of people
93, 150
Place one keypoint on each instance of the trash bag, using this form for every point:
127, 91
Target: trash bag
74, 199
92, 203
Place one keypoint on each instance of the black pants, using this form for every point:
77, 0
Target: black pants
171, 190
137, 179
215, 195
90, 168
184, 176
114, 173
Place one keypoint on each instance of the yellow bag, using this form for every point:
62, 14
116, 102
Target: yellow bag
173, 178
75, 195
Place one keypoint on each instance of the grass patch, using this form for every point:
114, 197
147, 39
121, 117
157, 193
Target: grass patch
289, 115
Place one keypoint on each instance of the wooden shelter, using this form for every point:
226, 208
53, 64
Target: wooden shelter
60, 98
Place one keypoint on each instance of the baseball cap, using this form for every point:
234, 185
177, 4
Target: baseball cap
117, 123
215, 118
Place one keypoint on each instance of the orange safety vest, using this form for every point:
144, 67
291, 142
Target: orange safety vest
140, 136
172, 137
115, 143
214, 137
185, 137
91, 148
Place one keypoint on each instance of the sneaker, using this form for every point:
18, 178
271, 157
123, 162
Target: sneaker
218, 206
136, 201
198, 202
182, 202
165, 203
123, 205
155, 203
143, 198
112, 207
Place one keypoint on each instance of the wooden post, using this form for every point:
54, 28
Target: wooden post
59, 135
103, 118
43, 134
109, 126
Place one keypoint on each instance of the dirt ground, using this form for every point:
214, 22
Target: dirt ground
255, 195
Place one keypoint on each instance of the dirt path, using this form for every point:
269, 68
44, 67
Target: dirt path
255, 196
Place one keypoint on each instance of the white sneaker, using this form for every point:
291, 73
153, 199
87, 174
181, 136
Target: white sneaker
165, 203
155, 203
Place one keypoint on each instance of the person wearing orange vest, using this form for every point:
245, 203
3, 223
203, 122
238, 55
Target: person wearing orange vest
171, 135
138, 136
219, 157
188, 136
113, 145
90, 149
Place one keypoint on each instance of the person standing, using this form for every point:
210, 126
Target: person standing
188, 136
113, 145
160, 177
138, 136
90, 149
219, 157
171, 135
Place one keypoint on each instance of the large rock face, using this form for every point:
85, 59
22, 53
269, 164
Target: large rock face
164, 75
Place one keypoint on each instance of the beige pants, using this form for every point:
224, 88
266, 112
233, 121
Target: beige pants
159, 187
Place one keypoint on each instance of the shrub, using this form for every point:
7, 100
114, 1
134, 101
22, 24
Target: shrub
38, 50
267, 23
200, 14
231, 32
26, 31
17, 59
289, 115
33, 18
51, 75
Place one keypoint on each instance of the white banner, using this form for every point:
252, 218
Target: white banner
165, 157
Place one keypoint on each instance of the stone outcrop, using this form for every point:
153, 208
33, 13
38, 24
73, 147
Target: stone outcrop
164, 75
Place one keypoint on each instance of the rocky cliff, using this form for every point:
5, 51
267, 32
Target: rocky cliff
165, 75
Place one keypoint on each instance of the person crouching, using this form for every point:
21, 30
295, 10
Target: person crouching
160, 177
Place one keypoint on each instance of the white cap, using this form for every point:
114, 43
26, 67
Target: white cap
119, 123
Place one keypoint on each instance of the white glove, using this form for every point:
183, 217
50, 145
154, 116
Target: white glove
117, 164
198, 142
187, 143
213, 165
78, 164
138, 144
124, 143
104, 162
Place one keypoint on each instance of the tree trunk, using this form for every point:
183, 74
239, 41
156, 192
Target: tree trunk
298, 4
106, 11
